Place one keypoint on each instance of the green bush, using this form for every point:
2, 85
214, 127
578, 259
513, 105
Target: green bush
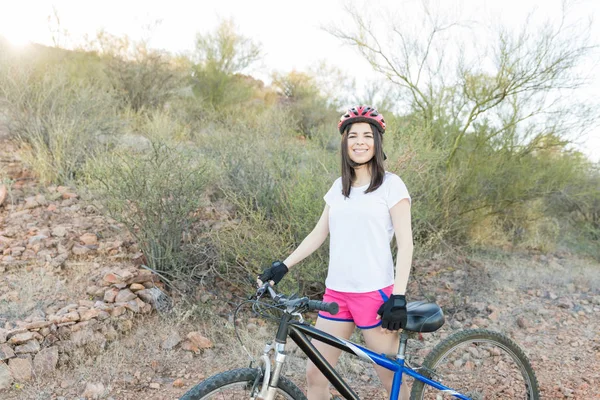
156, 194
143, 78
276, 183
221, 57
303, 102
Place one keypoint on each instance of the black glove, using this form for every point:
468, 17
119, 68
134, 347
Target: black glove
275, 273
393, 313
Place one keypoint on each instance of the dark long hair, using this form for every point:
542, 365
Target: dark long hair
375, 165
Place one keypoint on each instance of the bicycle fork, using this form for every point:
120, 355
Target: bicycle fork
270, 383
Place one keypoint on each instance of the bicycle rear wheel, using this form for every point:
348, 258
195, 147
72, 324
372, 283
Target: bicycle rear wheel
480, 364
239, 384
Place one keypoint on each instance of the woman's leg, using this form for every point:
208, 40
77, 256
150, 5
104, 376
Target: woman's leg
318, 385
383, 341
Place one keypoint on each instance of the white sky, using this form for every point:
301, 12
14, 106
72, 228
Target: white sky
290, 31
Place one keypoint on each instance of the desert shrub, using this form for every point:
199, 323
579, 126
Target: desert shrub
304, 102
156, 194
142, 77
56, 118
275, 182
577, 206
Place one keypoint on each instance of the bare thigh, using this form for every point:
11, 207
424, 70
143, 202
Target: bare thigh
341, 329
380, 341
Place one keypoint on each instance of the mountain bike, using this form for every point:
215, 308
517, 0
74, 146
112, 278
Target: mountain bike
472, 364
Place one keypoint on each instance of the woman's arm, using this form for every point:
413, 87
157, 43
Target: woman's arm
312, 242
403, 229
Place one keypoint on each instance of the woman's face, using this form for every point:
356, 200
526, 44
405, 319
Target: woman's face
361, 143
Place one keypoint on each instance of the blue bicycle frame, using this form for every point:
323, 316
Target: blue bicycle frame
298, 332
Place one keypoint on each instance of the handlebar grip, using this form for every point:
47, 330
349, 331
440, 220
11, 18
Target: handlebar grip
332, 308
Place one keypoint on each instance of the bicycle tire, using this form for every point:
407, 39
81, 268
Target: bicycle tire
479, 345
213, 387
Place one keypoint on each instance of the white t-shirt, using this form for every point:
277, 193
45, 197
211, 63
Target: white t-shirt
360, 228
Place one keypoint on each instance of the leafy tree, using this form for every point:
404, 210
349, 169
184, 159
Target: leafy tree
498, 109
220, 58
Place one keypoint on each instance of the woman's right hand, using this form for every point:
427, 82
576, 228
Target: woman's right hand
273, 274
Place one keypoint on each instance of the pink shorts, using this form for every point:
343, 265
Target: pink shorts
360, 308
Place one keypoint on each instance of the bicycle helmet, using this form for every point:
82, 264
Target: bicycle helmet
361, 114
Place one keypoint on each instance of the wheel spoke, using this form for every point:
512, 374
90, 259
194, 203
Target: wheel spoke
481, 365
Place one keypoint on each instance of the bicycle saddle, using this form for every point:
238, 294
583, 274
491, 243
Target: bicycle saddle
424, 317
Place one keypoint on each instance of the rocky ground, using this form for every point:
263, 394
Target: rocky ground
63, 263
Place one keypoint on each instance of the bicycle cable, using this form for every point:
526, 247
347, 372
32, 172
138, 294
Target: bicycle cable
255, 303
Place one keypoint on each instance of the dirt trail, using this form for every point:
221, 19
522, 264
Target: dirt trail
549, 304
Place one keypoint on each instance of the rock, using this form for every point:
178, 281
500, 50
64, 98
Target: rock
136, 286
124, 296
6, 352
154, 385
36, 239
133, 305
93, 390
112, 278
199, 340
86, 303
110, 295
117, 311
20, 338
92, 290
6, 378
59, 260
80, 250
46, 361
143, 275
494, 316
30, 203
67, 196
522, 323
178, 383
69, 318
81, 325
21, 369
30, 347
189, 346
59, 231
171, 341
38, 325
100, 305
89, 314
88, 239
3, 334
3, 194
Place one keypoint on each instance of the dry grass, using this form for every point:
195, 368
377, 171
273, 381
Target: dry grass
24, 292
564, 273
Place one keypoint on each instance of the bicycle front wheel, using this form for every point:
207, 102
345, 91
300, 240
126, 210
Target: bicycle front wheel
239, 384
480, 364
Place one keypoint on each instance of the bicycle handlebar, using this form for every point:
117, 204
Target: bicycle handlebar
332, 308
311, 305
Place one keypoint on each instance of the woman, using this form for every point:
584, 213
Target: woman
364, 208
